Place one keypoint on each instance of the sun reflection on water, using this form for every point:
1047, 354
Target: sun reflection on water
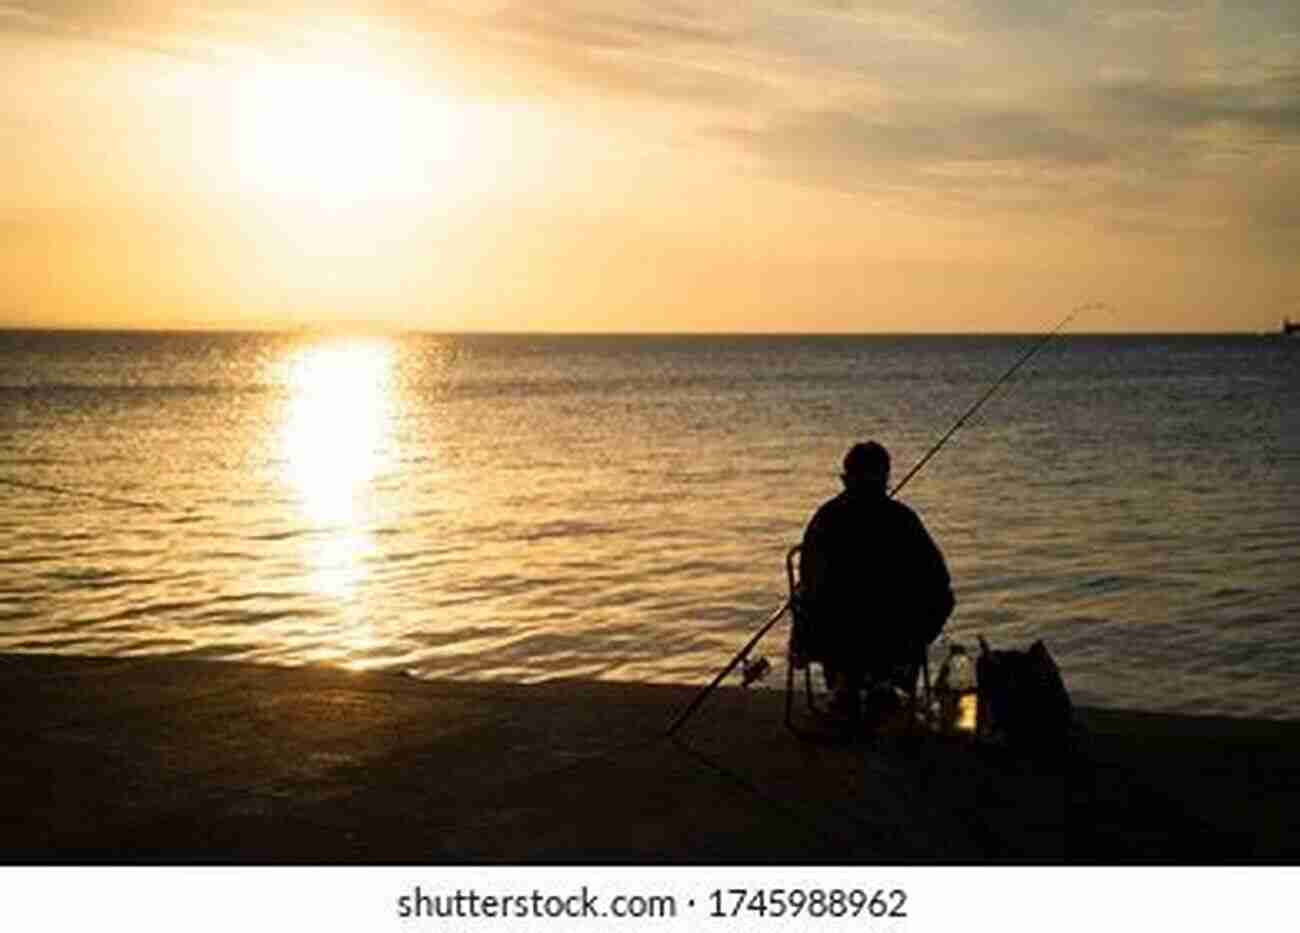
336, 439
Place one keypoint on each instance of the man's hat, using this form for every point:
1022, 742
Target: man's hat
868, 461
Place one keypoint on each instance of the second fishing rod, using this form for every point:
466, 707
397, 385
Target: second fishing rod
781, 610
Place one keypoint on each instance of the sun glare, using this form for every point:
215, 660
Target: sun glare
337, 134
335, 440
335, 436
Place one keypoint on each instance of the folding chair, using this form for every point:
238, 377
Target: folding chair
801, 653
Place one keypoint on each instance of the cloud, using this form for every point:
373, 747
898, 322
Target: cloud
166, 29
671, 52
972, 134
1042, 105
636, 26
1145, 18
1270, 107
1144, 156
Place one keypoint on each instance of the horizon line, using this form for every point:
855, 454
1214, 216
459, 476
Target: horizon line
363, 330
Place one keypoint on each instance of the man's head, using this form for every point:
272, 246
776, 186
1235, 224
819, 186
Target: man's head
866, 467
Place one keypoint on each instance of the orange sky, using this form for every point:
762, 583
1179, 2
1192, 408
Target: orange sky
618, 165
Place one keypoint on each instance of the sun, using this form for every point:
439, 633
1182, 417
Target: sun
343, 132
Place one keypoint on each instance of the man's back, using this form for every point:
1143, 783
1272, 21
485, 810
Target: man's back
874, 588
870, 569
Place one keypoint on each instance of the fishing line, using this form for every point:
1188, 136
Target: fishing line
803, 815
920, 464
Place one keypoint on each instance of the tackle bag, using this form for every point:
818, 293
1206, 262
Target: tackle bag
1022, 696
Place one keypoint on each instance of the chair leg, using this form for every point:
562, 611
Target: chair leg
923, 695
789, 690
808, 691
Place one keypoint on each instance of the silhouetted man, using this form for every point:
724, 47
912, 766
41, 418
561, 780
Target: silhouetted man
874, 588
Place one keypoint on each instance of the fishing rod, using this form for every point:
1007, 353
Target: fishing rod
979, 403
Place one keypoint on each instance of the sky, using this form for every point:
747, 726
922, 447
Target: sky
779, 166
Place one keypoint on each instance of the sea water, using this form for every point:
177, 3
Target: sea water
535, 507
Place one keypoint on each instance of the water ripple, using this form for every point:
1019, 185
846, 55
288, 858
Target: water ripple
621, 508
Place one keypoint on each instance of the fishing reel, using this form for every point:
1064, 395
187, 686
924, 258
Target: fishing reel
754, 670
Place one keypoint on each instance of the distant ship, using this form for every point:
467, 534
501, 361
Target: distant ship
1290, 328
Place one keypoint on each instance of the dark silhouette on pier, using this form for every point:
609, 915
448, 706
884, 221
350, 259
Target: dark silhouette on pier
874, 588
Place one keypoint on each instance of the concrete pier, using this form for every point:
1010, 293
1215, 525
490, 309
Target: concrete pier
155, 761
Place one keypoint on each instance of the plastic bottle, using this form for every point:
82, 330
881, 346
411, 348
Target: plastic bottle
960, 669
955, 690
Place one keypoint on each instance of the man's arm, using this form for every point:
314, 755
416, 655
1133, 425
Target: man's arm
812, 557
821, 560
933, 583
